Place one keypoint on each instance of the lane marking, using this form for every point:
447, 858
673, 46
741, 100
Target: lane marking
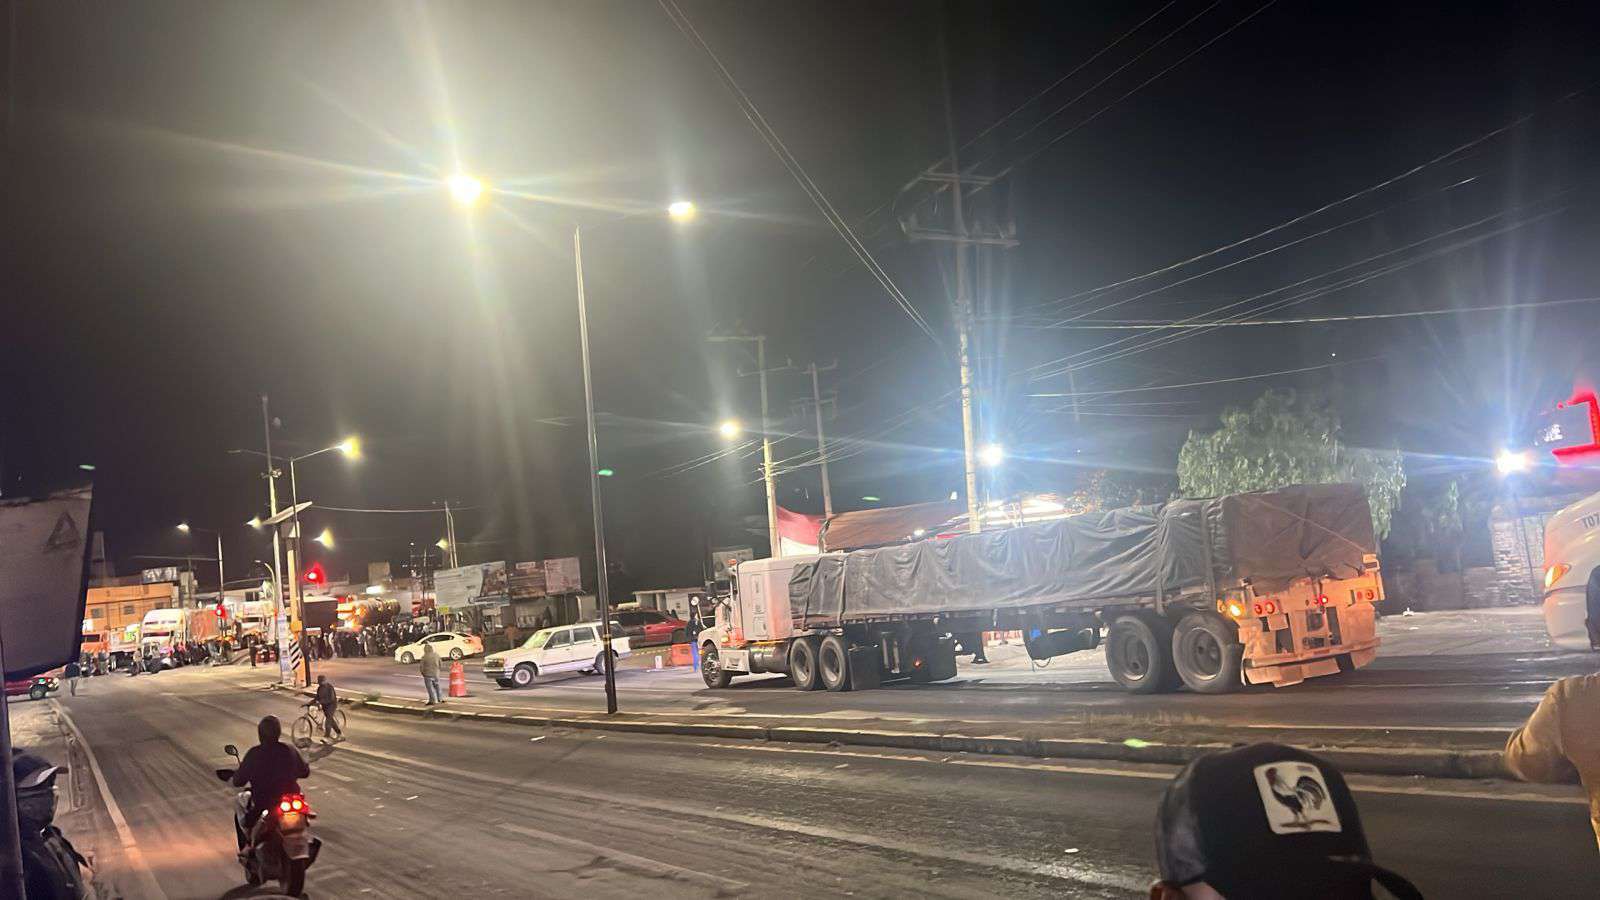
628, 859
1356, 781
335, 775
130, 847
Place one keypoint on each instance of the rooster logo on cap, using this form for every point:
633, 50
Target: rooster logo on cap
1306, 793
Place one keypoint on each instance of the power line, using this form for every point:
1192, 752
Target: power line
1308, 320
1311, 294
434, 509
1190, 384
765, 130
1489, 135
1141, 86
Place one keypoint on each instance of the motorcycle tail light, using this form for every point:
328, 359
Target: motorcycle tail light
283, 805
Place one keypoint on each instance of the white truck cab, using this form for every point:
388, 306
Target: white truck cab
1572, 571
564, 648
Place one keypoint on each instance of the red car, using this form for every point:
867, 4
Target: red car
36, 687
649, 626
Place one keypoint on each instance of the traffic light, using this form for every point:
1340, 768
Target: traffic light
222, 611
315, 575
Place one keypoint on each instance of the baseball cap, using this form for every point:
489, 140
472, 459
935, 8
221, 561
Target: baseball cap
1267, 821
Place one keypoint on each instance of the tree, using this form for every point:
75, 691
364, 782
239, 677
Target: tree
1287, 438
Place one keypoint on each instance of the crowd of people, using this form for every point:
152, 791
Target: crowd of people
373, 640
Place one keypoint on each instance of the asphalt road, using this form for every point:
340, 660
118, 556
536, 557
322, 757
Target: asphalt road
430, 808
1470, 672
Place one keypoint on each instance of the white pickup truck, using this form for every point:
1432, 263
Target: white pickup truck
565, 648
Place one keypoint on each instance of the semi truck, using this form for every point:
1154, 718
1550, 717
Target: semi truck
1267, 587
163, 630
1572, 574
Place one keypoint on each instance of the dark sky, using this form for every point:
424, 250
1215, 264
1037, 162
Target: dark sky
214, 201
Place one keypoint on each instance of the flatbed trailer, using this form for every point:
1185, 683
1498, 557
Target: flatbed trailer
1267, 587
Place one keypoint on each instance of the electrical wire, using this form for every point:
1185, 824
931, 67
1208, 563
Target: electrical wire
1141, 86
1312, 320
436, 509
1387, 182
768, 134
1190, 384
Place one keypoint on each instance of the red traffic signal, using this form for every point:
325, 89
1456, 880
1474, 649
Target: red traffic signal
222, 611
315, 575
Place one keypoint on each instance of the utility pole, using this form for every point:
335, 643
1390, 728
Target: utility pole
955, 231
450, 535
760, 341
822, 443
277, 551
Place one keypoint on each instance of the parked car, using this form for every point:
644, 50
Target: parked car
448, 644
36, 687
566, 648
649, 626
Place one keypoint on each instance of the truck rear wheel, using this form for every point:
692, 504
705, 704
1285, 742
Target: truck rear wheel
833, 663
1207, 653
803, 664
1139, 653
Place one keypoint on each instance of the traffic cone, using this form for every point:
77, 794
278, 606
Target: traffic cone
458, 679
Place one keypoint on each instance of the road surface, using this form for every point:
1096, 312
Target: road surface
1474, 673
430, 808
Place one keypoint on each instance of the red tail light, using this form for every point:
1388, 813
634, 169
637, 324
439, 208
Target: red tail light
294, 803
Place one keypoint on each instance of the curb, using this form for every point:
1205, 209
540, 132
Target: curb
1393, 761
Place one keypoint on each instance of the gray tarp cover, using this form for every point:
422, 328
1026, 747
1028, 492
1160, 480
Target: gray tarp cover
1269, 537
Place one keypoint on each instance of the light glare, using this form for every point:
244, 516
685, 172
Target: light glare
465, 189
991, 455
681, 210
1510, 462
730, 429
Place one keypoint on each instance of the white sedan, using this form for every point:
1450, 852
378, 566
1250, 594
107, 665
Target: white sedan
448, 644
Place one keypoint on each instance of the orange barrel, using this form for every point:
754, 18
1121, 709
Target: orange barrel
458, 679
681, 655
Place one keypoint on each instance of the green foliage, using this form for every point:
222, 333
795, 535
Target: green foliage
1287, 438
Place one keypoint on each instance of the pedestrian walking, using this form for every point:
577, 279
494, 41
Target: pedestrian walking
1561, 741
430, 674
72, 673
328, 699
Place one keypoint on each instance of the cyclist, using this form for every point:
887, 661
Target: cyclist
329, 701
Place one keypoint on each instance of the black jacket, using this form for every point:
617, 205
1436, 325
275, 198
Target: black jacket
271, 770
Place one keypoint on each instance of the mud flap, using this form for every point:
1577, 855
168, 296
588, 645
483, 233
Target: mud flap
865, 673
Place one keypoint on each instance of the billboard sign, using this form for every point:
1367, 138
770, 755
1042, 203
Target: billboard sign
159, 575
721, 558
479, 583
44, 546
562, 576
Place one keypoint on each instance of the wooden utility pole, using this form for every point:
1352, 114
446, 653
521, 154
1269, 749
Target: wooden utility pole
822, 443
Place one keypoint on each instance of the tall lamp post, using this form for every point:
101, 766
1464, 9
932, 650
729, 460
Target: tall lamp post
350, 447
467, 191
222, 579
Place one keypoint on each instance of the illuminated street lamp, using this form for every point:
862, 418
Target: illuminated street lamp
443, 544
681, 211
991, 455
325, 538
466, 190
730, 429
222, 579
1513, 462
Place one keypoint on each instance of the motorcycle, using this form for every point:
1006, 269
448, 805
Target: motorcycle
278, 842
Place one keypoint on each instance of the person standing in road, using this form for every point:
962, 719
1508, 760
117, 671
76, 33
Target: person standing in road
72, 673
328, 699
1561, 741
430, 673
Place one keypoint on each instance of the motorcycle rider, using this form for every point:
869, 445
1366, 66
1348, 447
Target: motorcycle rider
270, 769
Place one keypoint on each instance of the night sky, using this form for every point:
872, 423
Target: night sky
214, 201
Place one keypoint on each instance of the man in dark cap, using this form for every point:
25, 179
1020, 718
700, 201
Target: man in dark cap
1262, 822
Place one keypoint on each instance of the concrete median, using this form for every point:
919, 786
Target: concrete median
1432, 753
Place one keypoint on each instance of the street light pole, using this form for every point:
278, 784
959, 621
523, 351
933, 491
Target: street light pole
822, 444
296, 602
602, 582
277, 552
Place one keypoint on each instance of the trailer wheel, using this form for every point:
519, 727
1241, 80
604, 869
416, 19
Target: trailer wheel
803, 664
1139, 654
833, 663
711, 670
1207, 653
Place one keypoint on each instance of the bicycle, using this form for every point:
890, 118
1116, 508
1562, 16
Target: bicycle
311, 720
